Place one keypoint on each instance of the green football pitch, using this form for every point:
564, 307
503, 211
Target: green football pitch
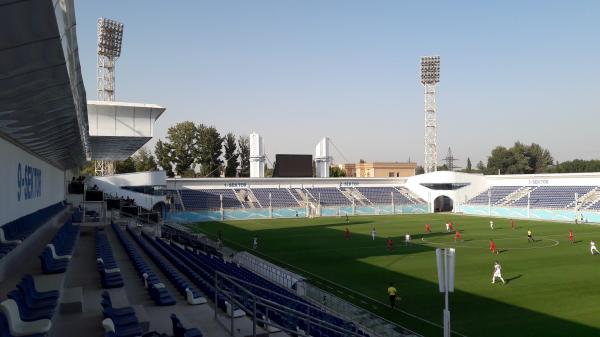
553, 286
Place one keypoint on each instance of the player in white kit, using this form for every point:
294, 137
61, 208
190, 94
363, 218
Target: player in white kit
497, 273
593, 248
491, 224
407, 239
373, 233
255, 242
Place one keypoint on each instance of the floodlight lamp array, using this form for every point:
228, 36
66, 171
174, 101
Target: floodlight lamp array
430, 69
110, 37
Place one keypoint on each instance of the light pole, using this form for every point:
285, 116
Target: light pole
110, 40
430, 76
445, 268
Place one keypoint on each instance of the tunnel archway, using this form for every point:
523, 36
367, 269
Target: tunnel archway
443, 203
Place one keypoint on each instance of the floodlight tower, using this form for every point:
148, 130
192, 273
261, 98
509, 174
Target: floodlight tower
110, 38
430, 76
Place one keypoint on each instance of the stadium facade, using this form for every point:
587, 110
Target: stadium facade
561, 197
45, 137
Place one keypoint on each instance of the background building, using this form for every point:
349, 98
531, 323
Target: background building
379, 170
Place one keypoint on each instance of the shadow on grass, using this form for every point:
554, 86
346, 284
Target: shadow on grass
338, 266
509, 280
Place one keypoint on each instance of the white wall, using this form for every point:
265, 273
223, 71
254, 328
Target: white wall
122, 118
208, 183
557, 179
152, 178
112, 185
477, 183
42, 187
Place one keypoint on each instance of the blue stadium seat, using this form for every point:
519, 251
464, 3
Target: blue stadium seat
110, 274
57, 254
156, 289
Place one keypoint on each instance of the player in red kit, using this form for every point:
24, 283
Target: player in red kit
571, 236
347, 234
512, 224
428, 228
450, 226
390, 244
457, 236
493, 247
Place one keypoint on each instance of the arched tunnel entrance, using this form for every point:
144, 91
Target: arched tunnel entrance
443, 204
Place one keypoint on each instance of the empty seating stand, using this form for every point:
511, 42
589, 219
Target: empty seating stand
201, 269
119, 322
27, 311
57, 254
545, 197
16, 231
156, 289
280, 197
196, 275
384, 195
183, 286
209, 199
110, 274
329, 196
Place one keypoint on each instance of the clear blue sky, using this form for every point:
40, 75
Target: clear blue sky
296, 71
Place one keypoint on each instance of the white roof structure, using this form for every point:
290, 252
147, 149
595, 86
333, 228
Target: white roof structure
118, 129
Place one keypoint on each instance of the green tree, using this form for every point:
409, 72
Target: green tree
539, 158
335, 171
244, 152
124, 166
268, 171
480, 166
210, 144
518, 159
88, 169
182, 139
144, 161
469, 168
163, 157
231, 155
574, 166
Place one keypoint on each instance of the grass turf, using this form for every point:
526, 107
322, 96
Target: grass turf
553, 286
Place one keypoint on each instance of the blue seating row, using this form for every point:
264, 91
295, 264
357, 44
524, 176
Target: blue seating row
57, 254
119, 322
195, 275
27, 311
156, 289
204, 266
14, 232
183, 286
110, 274
285, 197
547, 197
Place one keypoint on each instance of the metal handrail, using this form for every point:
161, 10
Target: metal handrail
274, 306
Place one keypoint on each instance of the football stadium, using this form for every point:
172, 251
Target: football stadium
198, 243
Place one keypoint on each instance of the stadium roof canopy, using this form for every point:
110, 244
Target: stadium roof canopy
118, 129
42, 97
